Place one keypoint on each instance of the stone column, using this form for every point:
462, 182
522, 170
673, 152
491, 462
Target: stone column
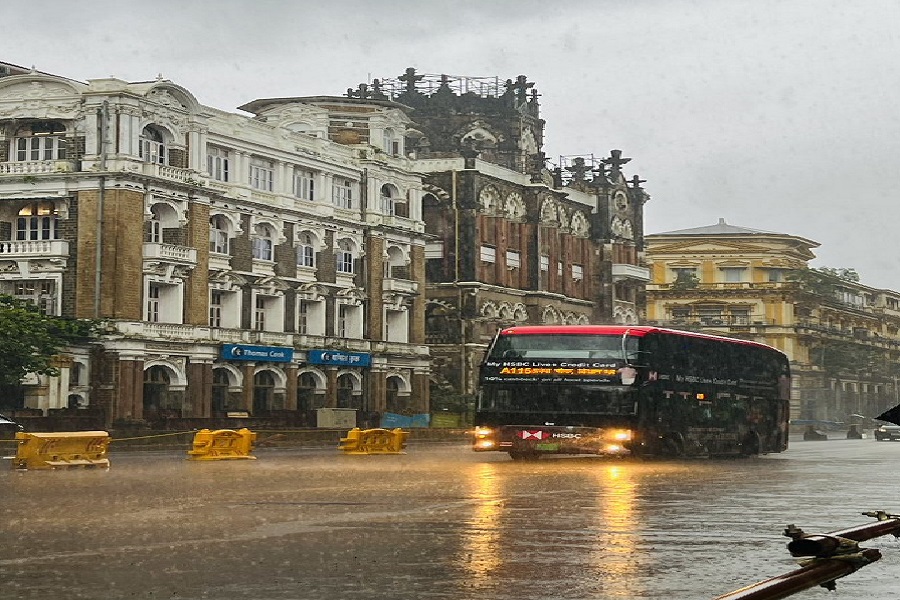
290, 390
247, 372
199, 390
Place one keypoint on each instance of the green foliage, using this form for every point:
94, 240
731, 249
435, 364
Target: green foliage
839, 356
842, 273
30, 340
685, 280
822, 281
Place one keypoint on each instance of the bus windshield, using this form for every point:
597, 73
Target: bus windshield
559, 399
573, 347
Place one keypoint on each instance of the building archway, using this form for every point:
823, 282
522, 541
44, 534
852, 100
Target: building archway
156, 393
263, 392
349, 391
310, 391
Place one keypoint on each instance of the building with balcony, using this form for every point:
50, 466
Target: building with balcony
840, 335
270, 263
511, 241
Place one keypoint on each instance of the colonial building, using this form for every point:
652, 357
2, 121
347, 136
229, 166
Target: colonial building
840, 335
318, 252
271, 264
511, 241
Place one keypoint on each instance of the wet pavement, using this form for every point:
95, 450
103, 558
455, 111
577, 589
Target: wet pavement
439, 522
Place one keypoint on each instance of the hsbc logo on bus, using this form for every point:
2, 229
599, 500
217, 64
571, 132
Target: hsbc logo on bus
533, 435
545, 435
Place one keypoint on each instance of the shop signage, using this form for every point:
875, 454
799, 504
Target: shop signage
337, 358
257, 353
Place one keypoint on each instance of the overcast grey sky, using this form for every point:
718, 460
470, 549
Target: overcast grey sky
781, 115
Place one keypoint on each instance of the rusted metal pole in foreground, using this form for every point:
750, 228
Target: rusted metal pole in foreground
833, 555
820, 572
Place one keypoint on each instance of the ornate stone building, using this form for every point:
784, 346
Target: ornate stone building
323, 252
511, 241
270, 265
841, 336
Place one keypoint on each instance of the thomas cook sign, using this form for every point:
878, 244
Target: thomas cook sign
257, 353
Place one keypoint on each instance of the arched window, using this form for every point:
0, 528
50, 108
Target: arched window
156, 391
263, 392
77, 374
345, 256
388, 195
151, 146
393, 402
306, 250
345, 396
155, 226
391, 142
37, 221
218, 234
395, 264
263, 243
42, 140
306, 392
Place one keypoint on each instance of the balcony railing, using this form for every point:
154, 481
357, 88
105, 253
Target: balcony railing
170, 252
200, 334
35, 167
174, 174
403, 286
34, 248
626, 271
715, 321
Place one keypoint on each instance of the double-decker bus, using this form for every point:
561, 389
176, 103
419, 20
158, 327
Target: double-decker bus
639, 390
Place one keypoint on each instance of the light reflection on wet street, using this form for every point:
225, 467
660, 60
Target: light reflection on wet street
439, 522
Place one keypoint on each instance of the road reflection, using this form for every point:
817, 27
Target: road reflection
482, 538
614, 556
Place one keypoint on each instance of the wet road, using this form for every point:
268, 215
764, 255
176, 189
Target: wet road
439, 522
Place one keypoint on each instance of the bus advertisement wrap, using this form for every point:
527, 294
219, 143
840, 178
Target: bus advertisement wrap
630, 390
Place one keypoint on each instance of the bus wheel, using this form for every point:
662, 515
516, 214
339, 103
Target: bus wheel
673, 445
751, 444
523, 455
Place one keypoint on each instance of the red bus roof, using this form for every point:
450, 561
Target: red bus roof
633, 330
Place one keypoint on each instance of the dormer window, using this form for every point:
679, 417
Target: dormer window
42, 140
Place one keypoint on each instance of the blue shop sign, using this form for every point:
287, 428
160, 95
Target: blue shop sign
340, 359
258, 353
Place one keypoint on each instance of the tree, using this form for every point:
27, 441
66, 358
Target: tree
822, 281
685, 280
29, 340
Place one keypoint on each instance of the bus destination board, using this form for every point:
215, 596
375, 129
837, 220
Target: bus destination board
552, 371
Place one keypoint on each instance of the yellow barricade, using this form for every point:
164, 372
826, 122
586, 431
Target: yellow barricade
222, 444
374, 441
61, 449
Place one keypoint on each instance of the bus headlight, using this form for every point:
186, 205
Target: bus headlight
483, 432
484, 439
620, 435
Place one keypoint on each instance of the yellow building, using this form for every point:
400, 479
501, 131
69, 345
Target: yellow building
841, 336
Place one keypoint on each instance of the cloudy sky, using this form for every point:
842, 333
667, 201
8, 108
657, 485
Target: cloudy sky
780, 115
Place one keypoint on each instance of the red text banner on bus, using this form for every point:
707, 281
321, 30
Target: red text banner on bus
554, 371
